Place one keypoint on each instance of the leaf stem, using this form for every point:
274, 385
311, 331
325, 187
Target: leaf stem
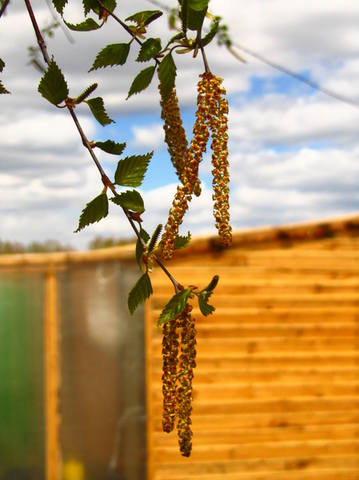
123, 25
204, 57
176, 284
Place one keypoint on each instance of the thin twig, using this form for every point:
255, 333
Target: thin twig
105, 180
3, 7
123, 25
86, 144
39, 37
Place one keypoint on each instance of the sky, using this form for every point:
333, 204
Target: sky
294, 151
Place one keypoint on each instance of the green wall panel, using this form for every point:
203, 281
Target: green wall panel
21, 377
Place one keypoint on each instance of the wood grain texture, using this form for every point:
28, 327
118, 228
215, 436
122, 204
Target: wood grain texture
276, 388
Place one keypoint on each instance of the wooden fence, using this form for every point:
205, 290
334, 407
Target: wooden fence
276, 388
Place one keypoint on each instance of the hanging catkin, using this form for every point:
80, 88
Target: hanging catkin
170, 347
189, 174
211, 115
187, 362
175, 136
179, 360
218, 124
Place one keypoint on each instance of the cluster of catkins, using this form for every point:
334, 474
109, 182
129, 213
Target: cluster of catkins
179, 360
211, 118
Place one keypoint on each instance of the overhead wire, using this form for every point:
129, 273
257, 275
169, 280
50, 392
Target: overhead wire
277, 66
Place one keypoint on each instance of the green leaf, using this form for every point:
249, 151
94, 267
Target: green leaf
212, 33
140, 292
114, 54
3, 89
181, 241
139, 246
141, 81
89, 5
167, 75
53, 85
86, 93
131, 170
193, 13
204, 306
98, 110
94, 211
59, 5
203, 297
112, 147
198, 5
149, 49
212, 285
154, 238
131, 200
175, 306
145, 17
109, 4
86, 26
93, 5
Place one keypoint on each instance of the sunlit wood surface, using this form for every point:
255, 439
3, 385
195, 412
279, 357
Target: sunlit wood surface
276, 389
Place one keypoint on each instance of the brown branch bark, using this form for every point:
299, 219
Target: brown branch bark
105, 180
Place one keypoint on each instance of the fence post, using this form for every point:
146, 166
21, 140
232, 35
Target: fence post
52, 377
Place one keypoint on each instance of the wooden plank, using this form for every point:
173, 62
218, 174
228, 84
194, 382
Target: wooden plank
283, 301
272, 404
185, 470
203, 273
274, 360
322, 474
224, 392
22, 260
52, 377
227, 279
255, 290
281, 419
267, 450
253, 330
277, 315
251, 376
231, 347
239, 436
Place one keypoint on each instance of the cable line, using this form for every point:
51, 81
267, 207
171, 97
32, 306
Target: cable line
277, 66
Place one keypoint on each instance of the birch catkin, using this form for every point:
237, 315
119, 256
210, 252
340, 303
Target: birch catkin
185, 375
175, 135
189, 175
179, 360
211, 116
170, 347
218, 123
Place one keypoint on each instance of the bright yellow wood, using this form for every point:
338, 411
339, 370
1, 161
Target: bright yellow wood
52, 378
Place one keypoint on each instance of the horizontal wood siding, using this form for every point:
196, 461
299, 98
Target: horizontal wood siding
276, 388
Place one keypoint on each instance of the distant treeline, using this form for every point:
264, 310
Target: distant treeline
49, 246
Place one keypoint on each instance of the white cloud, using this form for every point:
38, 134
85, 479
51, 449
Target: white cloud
148, 137
278, 119
293, 156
